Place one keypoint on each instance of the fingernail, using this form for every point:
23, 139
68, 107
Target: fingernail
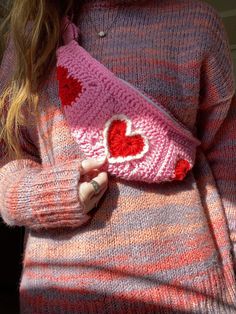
101, 160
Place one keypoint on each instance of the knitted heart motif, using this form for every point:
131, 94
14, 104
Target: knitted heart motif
181, 169
121, 144
69, 88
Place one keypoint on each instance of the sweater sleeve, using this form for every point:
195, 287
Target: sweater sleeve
41, 197
36, 196
216, 121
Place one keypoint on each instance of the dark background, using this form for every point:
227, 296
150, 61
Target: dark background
10, 267
11, 242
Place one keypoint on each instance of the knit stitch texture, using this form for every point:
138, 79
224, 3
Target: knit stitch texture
148, 247
107, 116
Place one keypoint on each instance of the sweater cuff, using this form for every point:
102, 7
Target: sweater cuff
46, 197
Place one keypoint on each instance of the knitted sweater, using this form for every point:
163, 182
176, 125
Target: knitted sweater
148, 247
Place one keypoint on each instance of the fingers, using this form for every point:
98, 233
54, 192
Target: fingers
93, 173
89, 204
102, 180
96, 198
90, 169
90, 175
87, 194
88, 165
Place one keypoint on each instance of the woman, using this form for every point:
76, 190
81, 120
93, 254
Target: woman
147, 248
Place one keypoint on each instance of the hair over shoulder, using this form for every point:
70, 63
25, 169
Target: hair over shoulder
33, 27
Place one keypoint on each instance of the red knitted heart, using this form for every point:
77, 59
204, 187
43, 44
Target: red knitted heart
69, 88
122, 144
181, 169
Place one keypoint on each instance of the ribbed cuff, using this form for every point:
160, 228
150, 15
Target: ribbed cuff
47, 197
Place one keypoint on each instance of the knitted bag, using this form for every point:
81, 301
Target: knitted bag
109, 116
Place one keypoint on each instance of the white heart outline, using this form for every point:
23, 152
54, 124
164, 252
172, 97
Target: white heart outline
120, 159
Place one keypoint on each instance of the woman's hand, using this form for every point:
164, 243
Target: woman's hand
87, 194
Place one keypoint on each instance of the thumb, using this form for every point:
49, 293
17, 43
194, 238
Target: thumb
91, 164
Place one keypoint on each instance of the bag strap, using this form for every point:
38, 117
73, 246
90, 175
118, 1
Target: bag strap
69, 30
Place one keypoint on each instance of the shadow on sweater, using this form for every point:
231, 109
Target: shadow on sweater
81, 300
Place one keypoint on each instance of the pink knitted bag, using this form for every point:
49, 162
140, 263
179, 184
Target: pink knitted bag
109, 116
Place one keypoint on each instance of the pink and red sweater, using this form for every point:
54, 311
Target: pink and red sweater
148, 248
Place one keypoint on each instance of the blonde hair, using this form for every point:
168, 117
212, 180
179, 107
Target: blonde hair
35, 56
